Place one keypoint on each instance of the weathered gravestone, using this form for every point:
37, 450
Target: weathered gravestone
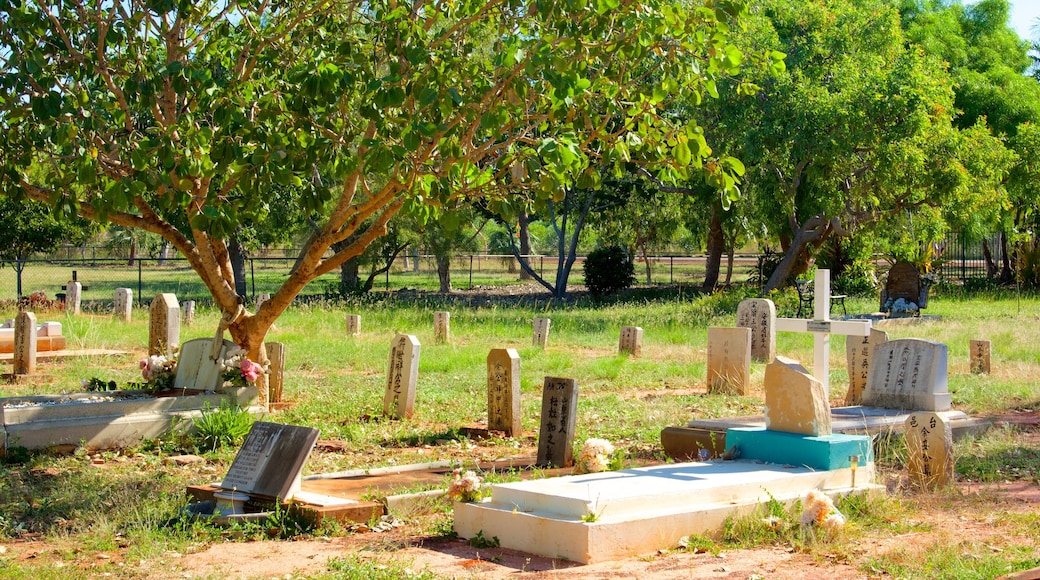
164, 325
631, 340
271, 460
504, 391
729, 360
399, 399
980, 355
859, 352
24, 343
795, 401
558, 420
123, 304
929, 449
442, 327
276, 372
905, 292
73, 297
541, 332
759, 314
188, 312
908, 373
353, 325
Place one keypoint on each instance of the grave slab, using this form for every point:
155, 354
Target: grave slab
859, 352
639, 510
540, 333
823, 452
503, 379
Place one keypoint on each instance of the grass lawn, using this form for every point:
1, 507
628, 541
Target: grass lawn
336, 384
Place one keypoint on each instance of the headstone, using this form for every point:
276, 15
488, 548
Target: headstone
859, 352
541, 332
353, 325
556, 432
504, 391
123, 302
399, 399
795, 400
188, 312
261, 298
759, 314
197, 367
25, 343
908, 373
271, 460
980, 354
442, 327
276, 378
822, 328
73, 297
729, 360
929, 449
164, 325
631, 340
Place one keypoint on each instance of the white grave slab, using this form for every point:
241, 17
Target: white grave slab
164, 325
73, 297
353, 325
189, 312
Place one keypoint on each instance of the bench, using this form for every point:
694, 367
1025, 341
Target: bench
805, 298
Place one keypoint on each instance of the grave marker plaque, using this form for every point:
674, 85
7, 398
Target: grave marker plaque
123, 304
729, 360
399, 399
980, 355
504, 391
541, 332
556, 433
188, 312
908, 373
271, 460
859, 351
759, 314
929, 447
631, 340
353, 325
164, 325
442, 327
73, 297
24, 343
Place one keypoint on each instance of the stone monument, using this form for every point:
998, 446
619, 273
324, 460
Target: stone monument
631, 340
908, 373
504, 391
729, 360
859, 351
558, 420
759, 314
399, 398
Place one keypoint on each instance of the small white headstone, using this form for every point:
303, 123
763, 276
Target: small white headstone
25, 343
123, 302
188, 312
504, 391
631, 340
164, 326
759, 314
541, 332
73, 297
980, 355
558, 420
859, 352
729, 360
442, 327
908, 373
353, 325
399, 398
271, 460
929, 448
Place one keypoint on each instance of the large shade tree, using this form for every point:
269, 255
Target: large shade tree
150, 113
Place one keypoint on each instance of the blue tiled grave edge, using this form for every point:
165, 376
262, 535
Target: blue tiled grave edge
822, 453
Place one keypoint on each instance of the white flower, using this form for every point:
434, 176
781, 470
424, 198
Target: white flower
594, 456
820, 511
464, 486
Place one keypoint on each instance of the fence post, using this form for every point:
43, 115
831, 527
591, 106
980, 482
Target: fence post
140, 290
963, 251
18, 268
252, 277
471, 271
671, 269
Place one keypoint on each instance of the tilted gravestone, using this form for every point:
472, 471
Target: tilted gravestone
908, 373
399, 398
504, 391
353, 325
271, 460
123, 304
859, 352
442, 327
25, 343
164, 325
729, 360
980, 356
795, 401
631, 340
759, 314
929, 448
558, 420
540, 335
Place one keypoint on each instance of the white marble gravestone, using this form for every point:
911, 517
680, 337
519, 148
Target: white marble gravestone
399, 398
980, 356
557, 422
123, 304
24, 343
729, 360
504, 391
859, 351
442, 327
270, 460
354, 325
73, 297
929, 449
759, 314
540, 335
164, 325
908, 373
631, 340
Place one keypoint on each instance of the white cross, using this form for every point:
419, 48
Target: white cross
823, 327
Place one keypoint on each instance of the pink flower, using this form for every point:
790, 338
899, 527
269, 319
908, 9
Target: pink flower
250, 370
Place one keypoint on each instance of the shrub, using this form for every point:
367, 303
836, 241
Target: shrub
608, 270
225, 425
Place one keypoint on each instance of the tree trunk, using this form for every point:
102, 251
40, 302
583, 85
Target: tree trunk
730, 254
716, 244
1007, 275
237, 254
815, 231
133, 251
991, 264
444, 271
349, 280
525, 242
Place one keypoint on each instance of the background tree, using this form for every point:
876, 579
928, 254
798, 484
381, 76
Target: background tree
29, 228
